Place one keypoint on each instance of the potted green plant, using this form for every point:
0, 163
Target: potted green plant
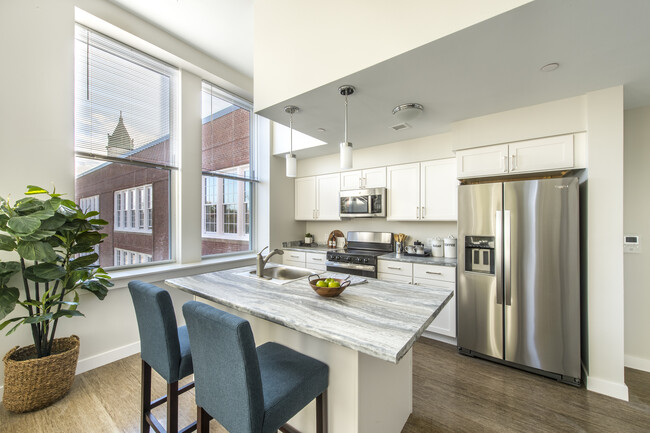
309, 238
54, 241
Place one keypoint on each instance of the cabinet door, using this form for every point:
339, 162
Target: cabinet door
396, 268
352, 180
316, 261
483, 161
544, 154
327, 194
445, 322
394, 278
434, 272
374, 178
403, 191
439, 190
305, 198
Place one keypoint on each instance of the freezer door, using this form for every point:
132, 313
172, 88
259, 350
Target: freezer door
542, 275
480, 294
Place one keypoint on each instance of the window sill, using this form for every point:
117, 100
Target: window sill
151, 274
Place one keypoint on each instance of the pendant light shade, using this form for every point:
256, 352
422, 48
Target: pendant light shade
291, 158
346, 146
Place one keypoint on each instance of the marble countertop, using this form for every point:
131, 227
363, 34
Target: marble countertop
379, 318
440, 261
318, 249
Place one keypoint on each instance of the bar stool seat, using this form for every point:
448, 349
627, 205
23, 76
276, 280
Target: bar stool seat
248, 389
165, 348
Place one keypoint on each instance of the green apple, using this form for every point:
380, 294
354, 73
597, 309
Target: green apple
334, 284
321, 283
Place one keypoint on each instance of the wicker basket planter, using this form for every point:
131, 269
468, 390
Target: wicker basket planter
32, 384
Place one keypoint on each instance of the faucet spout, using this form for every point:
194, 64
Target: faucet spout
261, 260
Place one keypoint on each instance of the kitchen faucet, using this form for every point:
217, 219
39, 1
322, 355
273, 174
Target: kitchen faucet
261, 260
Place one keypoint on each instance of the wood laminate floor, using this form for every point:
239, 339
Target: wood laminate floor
451, 393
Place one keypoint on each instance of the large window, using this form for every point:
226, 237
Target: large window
228, 172
124, 146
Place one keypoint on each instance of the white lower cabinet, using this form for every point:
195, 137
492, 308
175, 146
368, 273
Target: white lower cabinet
425, 275
301, 259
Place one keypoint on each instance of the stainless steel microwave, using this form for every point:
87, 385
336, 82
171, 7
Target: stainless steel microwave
363, 203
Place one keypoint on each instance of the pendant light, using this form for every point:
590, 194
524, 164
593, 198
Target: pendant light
346, 146
291, 158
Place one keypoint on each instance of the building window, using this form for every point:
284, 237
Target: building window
126, 257
135, 215
125, 152
228, 172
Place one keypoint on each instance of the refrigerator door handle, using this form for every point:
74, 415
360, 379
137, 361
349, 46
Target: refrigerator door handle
506, 256
498, 256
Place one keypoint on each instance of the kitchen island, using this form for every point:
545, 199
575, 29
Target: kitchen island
365, 335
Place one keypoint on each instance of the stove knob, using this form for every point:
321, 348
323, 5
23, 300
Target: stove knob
366, 260
348, 259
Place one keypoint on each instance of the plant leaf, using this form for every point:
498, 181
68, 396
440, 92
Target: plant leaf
96, 288
3, 221
7, 243
75, 301
99, 222
8, 299
36, 250
7, 270
4, 324
44, 272
67, 313
53, 222
42, 214
39, 235
82, 261
40, 318
33, 189
24, 224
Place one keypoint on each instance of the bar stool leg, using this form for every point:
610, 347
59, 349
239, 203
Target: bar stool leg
172, 407
202, 420
321, 413
145, 401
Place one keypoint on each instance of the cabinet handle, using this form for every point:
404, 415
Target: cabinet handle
513, 162
365, 181
417, 212
318, 260
395, 267
505, 163
360, 182
294, 257
424, 211
434, 273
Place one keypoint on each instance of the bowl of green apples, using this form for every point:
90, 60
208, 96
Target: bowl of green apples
328, 287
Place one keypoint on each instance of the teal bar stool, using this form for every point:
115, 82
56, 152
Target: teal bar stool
248, 389
163, 347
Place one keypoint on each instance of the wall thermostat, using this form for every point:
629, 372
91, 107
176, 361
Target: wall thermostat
632, 244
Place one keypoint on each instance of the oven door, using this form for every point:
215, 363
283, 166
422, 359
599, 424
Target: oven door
369, 271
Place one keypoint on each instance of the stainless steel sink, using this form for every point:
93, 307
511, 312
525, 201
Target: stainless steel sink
282, 273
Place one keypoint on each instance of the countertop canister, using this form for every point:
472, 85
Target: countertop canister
450, 247
437, 249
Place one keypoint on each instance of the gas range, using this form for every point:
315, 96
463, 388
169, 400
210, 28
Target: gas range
360, 258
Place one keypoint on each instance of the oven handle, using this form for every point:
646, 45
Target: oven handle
349, 266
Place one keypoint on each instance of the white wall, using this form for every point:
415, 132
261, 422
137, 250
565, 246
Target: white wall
605, 250
301, 45
37, 136
637, 209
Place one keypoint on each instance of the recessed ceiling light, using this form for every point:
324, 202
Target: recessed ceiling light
550, 67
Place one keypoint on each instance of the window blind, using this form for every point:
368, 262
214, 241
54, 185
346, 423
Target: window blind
123, 102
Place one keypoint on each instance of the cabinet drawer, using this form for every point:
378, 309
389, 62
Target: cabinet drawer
294, 256
394, 278
434, 272
396, 268
293, 263
315, 259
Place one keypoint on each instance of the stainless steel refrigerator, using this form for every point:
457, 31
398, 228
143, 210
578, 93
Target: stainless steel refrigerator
519, 275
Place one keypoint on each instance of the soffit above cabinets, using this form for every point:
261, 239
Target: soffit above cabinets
490, 67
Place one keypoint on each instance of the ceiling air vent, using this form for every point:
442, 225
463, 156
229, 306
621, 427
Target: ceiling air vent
400, 126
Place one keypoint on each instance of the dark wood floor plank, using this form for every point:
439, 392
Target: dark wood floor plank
451, 393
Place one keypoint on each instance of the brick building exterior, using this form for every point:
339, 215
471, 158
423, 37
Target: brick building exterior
145, 234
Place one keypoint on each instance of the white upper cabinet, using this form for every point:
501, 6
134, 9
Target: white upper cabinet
362, 179
327, 197
438, 190
305, 198
403, 194
482, 161
539, 155
317, 197
552, 153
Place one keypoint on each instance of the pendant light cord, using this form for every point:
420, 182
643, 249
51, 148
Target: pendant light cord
346, 119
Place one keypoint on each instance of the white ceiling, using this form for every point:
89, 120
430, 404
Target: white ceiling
223, 29
490, 67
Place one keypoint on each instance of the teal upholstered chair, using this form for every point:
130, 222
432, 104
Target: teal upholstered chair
248, 389
163, 347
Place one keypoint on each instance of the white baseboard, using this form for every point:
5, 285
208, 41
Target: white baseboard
107, 357
606, 387
637, 363
438, 337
